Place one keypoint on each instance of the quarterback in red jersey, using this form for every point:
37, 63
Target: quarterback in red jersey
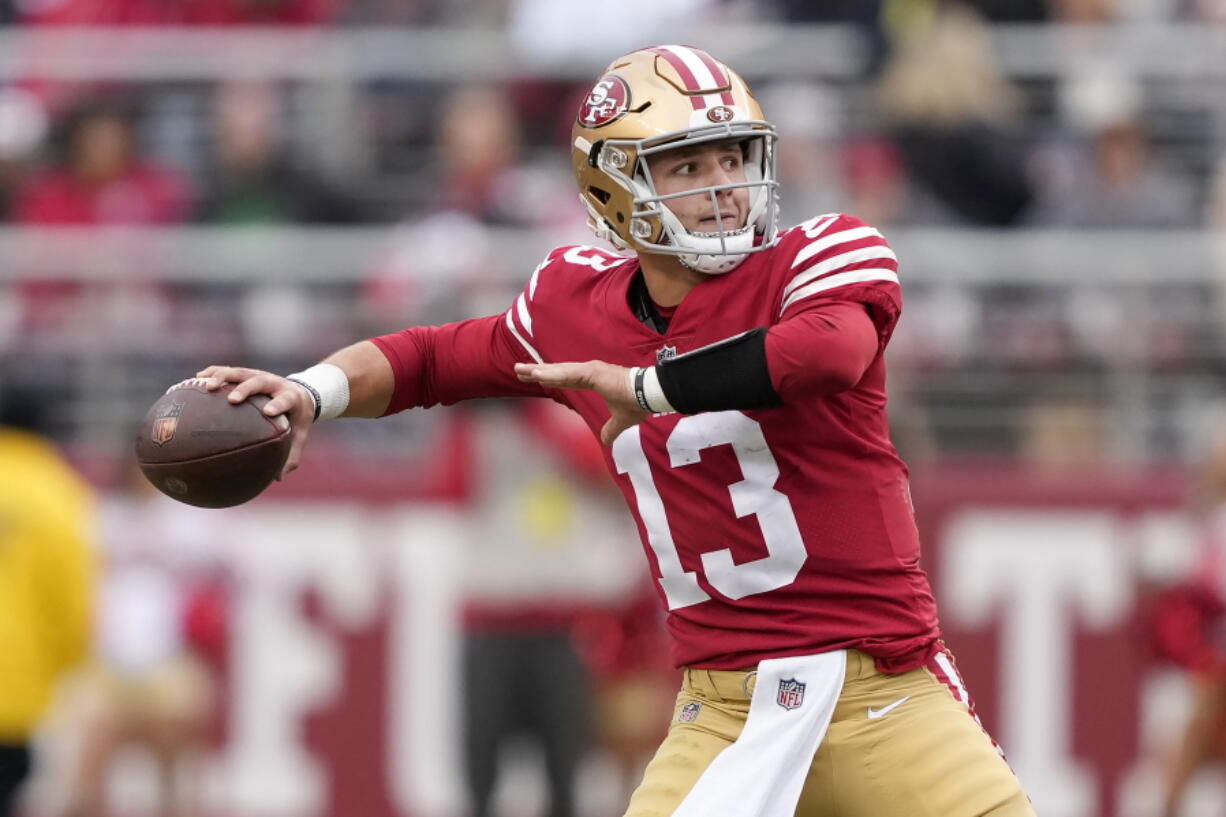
735, 373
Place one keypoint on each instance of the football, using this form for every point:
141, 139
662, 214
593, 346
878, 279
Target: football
196, 446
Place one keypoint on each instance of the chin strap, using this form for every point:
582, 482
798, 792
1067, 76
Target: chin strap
711, 264
707, 259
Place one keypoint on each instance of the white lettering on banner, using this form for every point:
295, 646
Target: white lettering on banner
1040, 571
425, 664
283, 668
1040, 574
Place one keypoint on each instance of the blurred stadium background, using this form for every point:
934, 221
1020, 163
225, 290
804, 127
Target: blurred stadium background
260, 181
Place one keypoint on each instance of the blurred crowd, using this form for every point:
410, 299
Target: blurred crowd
928, 132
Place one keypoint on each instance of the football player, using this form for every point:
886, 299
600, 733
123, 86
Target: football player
735, 373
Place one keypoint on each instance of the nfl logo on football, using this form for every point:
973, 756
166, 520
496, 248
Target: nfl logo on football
791, 693
165, 423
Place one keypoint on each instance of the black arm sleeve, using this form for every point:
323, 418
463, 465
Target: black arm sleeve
730, 374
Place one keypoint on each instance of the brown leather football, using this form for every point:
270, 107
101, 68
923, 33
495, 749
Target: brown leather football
197, 447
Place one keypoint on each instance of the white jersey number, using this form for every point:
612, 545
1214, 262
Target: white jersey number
598, 260
755, 494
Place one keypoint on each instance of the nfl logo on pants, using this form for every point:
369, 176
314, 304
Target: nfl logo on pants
791, 693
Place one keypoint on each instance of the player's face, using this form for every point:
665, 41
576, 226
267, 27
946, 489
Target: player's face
706, 165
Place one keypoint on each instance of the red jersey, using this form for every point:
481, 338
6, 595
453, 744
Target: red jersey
144, 194
771, 532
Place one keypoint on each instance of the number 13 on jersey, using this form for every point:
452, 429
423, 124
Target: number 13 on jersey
755, 495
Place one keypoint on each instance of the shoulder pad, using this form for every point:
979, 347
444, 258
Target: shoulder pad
831, 251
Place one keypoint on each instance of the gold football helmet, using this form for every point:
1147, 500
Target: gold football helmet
654, 100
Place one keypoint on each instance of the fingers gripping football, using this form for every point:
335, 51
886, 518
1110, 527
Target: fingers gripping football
609, 381
285, 397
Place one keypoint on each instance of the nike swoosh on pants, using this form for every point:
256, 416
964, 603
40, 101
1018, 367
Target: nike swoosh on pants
873, 714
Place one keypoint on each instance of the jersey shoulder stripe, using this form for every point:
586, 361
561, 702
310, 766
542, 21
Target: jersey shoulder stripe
835, 250
857, 276
528, 347
550, 274
521, 311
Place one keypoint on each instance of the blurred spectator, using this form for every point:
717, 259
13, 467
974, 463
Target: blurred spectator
478, 179
103, 178
478, 143
1212, 11
1065, 434
254, 181
877, 188
427, 268
548, 546
479, 171
160, 615
23, 126
1187, 626
46, 519
874, 181
634, 683
1104, 174
953, 116
177, 12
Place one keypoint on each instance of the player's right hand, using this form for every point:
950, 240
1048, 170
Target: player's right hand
285, 397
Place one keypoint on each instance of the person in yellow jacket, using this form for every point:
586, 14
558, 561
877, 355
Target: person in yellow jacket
46, 553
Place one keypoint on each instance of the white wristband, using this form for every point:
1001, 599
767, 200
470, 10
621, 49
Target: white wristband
330, 383
645, 385
655, 393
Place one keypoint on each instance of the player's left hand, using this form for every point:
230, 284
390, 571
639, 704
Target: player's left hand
609, 381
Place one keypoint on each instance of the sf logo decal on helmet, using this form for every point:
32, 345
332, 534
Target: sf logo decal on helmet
606, 102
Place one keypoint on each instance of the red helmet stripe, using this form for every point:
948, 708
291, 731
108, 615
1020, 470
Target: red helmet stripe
718, 75
683, 70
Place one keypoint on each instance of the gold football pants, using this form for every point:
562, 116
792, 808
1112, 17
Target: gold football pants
927, 756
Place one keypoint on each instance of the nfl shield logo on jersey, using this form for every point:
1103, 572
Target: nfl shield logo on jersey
791, 693
665, 353
689, 712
